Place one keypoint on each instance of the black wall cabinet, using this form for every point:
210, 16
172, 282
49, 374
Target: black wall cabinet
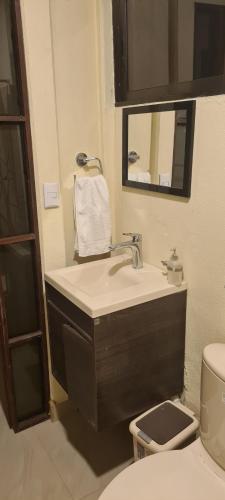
168, 49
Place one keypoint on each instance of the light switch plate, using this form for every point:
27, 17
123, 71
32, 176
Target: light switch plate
51, 194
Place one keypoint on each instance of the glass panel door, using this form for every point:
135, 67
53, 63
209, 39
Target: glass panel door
148, 43
209, 40
9, 104
13, 190
23, 349
28, 379
19, 288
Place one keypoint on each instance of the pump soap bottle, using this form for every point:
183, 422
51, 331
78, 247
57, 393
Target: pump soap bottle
174, 269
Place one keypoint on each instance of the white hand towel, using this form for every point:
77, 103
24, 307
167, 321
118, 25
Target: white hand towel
144, 177
140, 177
92, 215
133, 176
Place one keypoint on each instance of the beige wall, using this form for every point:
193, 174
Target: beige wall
196, 227
62, 58
38, 52
82, 75
166, 143
139, 140
74, 34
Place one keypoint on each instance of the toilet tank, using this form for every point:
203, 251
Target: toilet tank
212, 418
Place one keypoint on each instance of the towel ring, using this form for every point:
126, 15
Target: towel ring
133, 157
82, 160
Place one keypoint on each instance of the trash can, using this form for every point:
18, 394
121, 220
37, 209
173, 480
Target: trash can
167, 426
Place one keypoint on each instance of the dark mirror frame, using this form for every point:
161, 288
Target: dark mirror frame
158, 108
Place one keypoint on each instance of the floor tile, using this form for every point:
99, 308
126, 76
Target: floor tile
93, 496
26, 472
85, 460
64, 460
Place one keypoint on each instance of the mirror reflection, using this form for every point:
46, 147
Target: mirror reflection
159, 146
159, 142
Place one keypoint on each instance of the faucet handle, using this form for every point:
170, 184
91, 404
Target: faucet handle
136, 237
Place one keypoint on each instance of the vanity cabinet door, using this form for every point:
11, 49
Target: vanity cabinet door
80, 372
139, 357
56, 320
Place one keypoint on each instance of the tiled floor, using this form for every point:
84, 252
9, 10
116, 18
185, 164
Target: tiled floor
63, 460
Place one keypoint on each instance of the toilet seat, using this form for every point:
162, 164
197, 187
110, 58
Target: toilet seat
188, 474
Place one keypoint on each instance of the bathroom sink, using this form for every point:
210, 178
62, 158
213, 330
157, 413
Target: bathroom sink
111, 284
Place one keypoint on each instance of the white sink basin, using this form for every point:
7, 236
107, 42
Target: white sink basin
108, 285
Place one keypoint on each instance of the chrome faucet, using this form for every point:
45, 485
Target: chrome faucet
135, 244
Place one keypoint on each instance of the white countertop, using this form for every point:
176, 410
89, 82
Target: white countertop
109, 285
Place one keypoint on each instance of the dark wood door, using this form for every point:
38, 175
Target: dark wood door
24, 388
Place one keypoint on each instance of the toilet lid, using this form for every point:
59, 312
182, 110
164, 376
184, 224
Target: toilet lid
169, 475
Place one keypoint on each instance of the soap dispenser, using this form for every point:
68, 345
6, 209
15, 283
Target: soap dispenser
174, 269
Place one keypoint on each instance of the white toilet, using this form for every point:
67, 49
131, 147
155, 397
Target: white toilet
198, 471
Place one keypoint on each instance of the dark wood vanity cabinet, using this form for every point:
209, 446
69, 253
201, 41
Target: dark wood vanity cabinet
120, 364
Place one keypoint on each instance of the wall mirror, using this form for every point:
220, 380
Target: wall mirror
158, 147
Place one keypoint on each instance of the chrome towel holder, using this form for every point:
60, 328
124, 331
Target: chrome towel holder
133, 157
82, 159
